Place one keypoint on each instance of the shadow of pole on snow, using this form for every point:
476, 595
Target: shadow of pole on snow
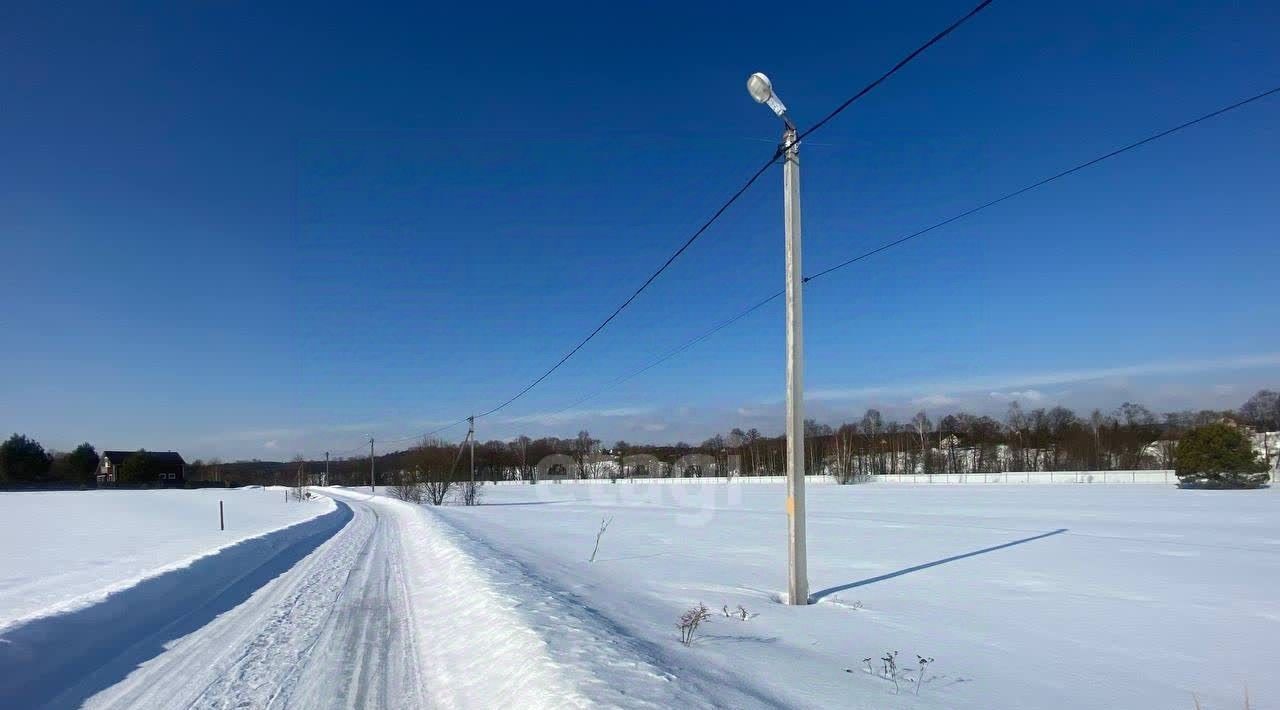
872, 580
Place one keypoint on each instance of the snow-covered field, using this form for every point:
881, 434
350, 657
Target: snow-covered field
1057, 597
1027, 597
67, 549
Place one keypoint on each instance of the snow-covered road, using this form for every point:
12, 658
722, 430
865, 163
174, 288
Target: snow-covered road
396, 609
332, 631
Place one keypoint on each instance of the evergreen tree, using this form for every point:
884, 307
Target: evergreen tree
82, 464
1218, 456
134, 469
23, 460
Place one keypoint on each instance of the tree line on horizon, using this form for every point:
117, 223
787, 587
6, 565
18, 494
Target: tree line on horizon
1040, 439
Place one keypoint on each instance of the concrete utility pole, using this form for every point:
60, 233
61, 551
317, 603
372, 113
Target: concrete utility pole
372, 486
761, 89
326, 468
471, 435
798, 580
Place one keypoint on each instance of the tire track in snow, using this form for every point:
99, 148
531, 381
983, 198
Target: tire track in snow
374, 650
291, 643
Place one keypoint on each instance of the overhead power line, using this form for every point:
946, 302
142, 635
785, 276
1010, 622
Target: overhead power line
734, 198
340, 454
902, 240
411, 437
1042, 183
872, 252
902, 63
670, 354
671, 259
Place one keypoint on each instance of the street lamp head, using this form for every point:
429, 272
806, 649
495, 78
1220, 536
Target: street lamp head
761, 89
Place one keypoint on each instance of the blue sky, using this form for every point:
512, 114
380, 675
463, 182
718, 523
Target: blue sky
241, 230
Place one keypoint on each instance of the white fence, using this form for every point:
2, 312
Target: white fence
1008, 477
1035, 477
707, 480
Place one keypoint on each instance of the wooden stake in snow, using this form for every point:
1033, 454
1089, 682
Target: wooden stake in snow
604, 525
222, 524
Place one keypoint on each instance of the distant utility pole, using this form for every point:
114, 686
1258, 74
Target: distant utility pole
761, 89
326, 468
372, 486
471, 434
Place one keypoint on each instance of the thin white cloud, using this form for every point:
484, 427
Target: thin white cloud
934, 400
552, 418
978, 391
251, 435
1029, 395
997, 383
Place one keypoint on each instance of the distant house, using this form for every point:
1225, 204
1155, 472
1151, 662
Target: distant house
163, 467
1160, 452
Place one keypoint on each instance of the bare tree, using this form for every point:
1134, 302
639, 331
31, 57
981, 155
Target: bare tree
1019, 426
526, 471
298, 489
921, 425
437, 491
408, 486
871, 425
1061, 422
469, 493
1263, 411
583, 447
753, 450
815, 453
431, 463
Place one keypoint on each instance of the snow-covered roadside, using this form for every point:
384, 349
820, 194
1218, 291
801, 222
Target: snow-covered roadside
77, 547
87, 643
491, 633
1045, 597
